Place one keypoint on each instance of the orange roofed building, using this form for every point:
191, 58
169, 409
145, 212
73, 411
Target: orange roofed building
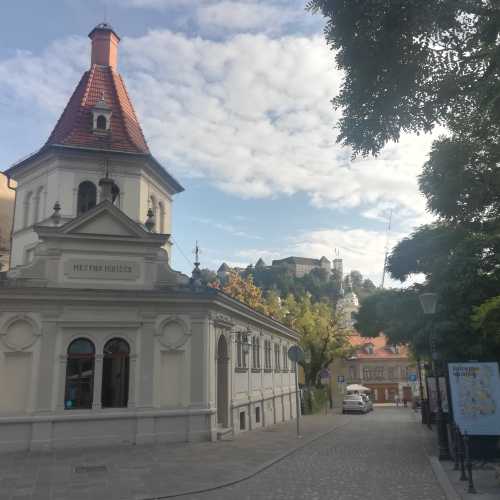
385, 369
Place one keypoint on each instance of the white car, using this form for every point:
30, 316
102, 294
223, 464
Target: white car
354, 403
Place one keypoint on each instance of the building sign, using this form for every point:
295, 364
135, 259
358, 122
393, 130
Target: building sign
432, 392
101, 269
475, 395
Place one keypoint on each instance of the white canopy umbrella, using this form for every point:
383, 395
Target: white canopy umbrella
357, 388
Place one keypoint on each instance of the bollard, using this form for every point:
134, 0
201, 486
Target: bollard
471, 488
463, 476
456, 465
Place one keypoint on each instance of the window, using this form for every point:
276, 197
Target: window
267, 355
79, 375
369, 348
87, 197
257, 414
153, 206
277, 363
37, 212
242, 420
101, 122
241, 355
373, 373
27, 209
115, 374
256, 352
392, 372
285, 358
161, 213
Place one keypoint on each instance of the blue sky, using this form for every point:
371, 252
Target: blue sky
233, 97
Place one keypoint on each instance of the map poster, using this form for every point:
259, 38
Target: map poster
432, 391
475, 395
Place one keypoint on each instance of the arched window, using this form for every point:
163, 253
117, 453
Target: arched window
161, 210
79, 375
38, 207
87, 197
153, 206
101, 122
27, 209
115, 374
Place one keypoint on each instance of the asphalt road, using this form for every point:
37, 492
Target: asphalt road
378, 456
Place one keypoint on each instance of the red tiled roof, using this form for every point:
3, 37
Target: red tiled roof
381, 349
74, 127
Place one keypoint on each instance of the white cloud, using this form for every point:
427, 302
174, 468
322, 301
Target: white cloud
244, 16
227, 228
251, 115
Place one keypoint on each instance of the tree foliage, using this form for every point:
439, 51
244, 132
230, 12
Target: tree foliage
412, 64
321, 330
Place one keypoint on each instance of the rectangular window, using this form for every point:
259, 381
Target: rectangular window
285, 358
276, 357
241, 355
373, 373
267, 355
255, 352
257, 414
242, 420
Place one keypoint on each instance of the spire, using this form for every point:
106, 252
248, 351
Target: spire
196, 274
99, 114
104, 46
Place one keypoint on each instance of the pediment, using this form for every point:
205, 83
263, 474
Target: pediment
106, 221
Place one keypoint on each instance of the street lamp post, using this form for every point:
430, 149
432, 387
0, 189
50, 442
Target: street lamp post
428, 302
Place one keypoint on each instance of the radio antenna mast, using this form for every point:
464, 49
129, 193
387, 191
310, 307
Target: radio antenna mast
386, 253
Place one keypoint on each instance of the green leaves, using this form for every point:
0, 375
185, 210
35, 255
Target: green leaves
409, 64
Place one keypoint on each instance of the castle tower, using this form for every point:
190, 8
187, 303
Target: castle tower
98, 134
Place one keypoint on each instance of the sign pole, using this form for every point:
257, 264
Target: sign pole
296, 354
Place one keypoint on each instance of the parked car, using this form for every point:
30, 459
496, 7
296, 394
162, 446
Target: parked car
354, 403
368, 401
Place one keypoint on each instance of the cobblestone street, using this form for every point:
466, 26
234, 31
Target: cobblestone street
378, 456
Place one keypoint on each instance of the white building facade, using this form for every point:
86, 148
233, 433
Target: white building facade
100, 340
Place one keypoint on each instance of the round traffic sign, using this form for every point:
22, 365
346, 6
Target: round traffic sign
295, 353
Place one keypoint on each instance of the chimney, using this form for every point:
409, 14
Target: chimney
104, 46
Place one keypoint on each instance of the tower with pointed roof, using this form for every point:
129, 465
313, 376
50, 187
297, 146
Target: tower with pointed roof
97, 135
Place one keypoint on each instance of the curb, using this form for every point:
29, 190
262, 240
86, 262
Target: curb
443, 479
439, 472
249, 475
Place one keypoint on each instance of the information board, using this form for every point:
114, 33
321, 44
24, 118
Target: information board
475, 396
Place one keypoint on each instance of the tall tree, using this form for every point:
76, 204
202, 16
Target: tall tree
412, 64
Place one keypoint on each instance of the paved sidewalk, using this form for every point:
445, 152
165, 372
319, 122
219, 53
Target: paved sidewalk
149, 471
486, 484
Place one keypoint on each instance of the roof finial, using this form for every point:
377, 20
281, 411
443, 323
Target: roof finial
197, 254
150, 221
196, 274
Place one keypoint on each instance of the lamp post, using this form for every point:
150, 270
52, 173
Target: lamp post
428, 302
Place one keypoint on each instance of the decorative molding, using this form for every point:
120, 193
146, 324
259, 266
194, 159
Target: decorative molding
35, 332
173, 341
222, 321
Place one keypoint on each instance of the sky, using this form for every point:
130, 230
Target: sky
234, 100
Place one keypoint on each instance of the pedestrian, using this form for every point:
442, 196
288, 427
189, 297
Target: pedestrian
405, 402
396, 400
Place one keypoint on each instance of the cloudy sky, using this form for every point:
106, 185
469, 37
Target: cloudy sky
234, 99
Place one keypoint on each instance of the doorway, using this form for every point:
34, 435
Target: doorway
222, 382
